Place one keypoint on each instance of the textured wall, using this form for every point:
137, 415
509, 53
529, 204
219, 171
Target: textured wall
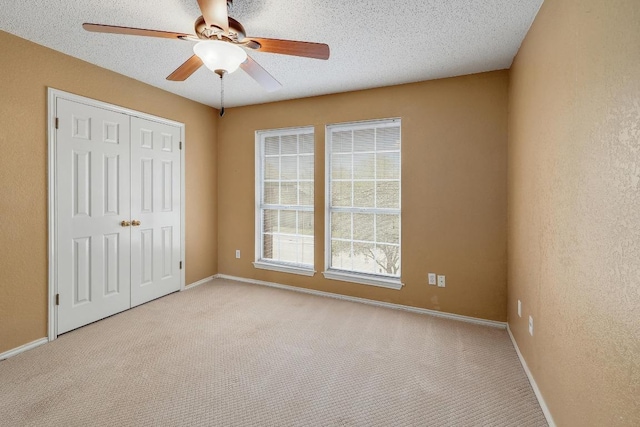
27, 69
453, 188
574, 208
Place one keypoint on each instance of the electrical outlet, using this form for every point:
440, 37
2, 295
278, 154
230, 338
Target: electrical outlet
237, 253
531, 325
519, 308
441, 282
432, 278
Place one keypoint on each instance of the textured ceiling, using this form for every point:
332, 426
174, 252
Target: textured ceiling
373, 42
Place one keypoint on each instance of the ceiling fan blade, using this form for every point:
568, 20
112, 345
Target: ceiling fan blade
215, 13
290, 47
185, 70
98, 28
259, 74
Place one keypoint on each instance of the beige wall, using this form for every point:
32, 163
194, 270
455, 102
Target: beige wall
453, 190
574, 208
27, 69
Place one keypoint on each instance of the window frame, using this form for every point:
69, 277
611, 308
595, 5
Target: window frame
346, 275
259, 262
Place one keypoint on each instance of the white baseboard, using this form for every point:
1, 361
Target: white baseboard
418, 310
14, 352
536, 390
199, 282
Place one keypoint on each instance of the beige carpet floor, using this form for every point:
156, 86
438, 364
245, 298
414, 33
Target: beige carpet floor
229, 353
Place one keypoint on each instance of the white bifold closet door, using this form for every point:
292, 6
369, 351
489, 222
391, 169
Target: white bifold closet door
113, 172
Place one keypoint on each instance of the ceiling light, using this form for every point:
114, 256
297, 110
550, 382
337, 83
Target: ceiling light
220, 56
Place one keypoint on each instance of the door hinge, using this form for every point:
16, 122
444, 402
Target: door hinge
57, 299
180, 145
180, 265
57, 123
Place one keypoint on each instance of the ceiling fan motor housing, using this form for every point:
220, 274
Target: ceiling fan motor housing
236, 30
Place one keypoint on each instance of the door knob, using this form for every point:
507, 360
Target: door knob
125, 223
135, 223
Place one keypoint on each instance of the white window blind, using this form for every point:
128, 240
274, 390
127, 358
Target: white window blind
363, 198
285, 192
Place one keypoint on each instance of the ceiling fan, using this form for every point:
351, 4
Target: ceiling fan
220, 42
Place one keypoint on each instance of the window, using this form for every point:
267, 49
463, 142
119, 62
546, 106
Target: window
363, 203
284, 200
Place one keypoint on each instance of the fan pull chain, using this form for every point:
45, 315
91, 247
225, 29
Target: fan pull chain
222, 93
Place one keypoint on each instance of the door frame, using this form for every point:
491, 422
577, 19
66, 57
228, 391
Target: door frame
52, 96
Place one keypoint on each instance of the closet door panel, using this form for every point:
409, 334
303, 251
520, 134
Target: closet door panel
155, 203
92, 199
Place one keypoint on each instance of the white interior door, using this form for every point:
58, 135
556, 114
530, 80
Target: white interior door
92, 198
155, 203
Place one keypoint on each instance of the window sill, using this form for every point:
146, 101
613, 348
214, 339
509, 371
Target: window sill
282, 268
363, 279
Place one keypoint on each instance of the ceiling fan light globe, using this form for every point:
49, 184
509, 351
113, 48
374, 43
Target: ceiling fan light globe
219, 55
